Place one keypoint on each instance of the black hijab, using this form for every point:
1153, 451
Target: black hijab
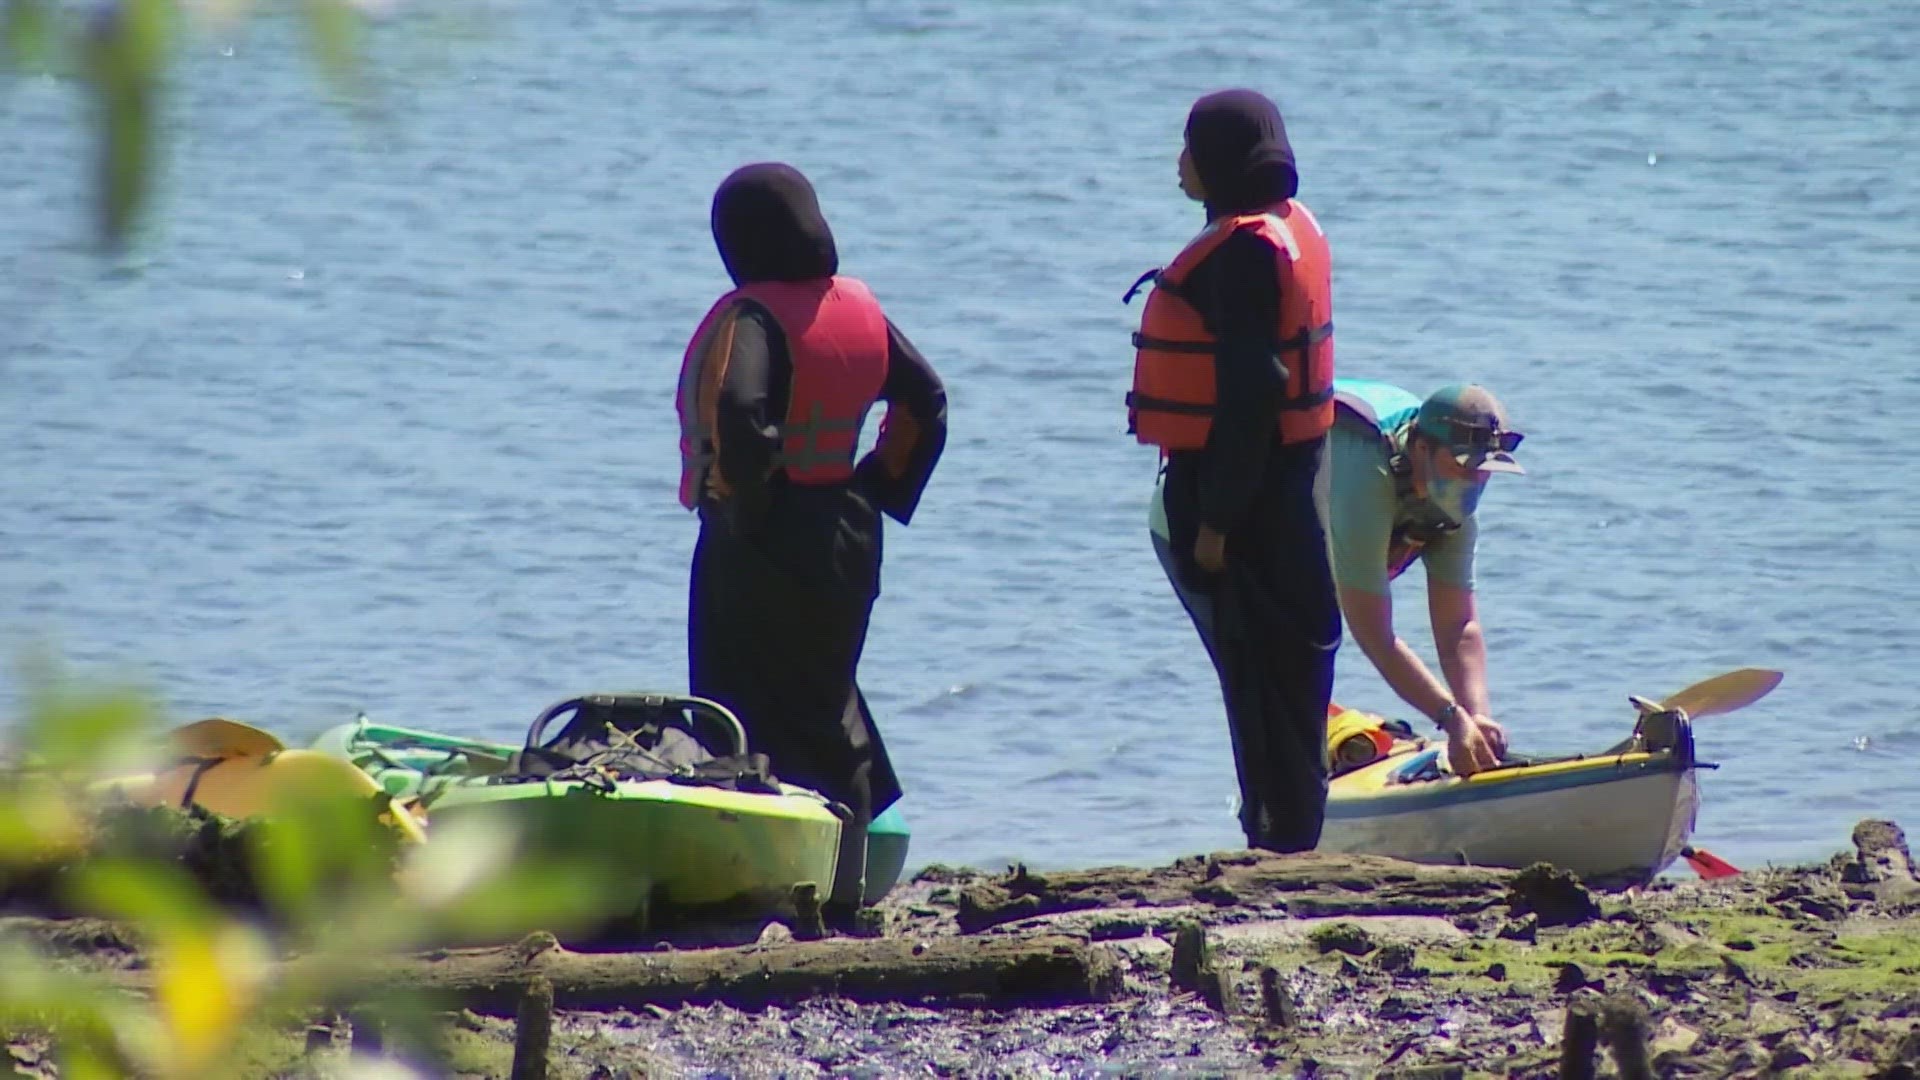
1239, 147
768, 227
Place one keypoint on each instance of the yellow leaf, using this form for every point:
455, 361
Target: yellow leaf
205, 984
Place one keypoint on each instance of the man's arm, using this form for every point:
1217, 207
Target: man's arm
1362, 511
1457, 635
1462, 647
1370, 620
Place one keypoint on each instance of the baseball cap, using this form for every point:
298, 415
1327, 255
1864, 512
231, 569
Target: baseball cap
1471, 423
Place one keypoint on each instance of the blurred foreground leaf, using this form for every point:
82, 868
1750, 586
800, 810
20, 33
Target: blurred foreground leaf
319, 850
36, 995
122, 50
207, 970
40, 821
24, 37
334, 29
124, 53
88, 1060
558, 896
341, 890
88, 732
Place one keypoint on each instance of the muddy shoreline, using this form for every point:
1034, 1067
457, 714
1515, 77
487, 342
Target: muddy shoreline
1239, 964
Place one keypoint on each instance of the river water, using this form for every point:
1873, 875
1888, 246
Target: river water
380, 415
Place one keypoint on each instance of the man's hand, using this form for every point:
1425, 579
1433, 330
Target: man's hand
1495, 734
1474, 743
1210, 550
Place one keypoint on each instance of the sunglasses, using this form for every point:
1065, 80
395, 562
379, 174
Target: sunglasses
1474, 438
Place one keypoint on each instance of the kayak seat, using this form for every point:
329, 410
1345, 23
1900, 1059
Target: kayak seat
1421, 767
1427, 766
640, 737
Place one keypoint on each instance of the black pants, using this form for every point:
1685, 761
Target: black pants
776, 622
1270, 622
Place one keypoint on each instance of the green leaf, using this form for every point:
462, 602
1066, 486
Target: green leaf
34, 992
320, 850
126, 156
87, 1059
334, 28
23, 40
41, 823
126, 48
83, 1009
477, 877
65, 729
561, 897
156, 899
149, 25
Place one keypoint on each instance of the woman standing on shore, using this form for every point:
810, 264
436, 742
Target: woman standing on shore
774, 389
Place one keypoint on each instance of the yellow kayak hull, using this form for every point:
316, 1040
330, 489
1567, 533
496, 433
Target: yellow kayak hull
252, 786
1611, 816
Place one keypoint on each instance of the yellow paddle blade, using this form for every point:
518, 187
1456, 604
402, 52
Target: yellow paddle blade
1725, 693
407, 821
218, 737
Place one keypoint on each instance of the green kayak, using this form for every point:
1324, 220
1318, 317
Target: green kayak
887, 840
657, 785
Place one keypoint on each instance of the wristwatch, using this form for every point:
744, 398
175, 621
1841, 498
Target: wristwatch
1452, 710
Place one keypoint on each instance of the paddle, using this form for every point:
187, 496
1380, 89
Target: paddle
1717, 696
1724, 693
1709, 866
218, 737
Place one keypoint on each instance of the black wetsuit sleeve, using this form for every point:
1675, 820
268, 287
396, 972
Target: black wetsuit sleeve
747, 413
1236, 291
914, 434
753, 399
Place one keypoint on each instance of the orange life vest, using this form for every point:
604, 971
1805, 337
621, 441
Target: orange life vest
1173, 396
837, 340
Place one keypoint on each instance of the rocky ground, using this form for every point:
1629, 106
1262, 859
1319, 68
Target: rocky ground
1309, 966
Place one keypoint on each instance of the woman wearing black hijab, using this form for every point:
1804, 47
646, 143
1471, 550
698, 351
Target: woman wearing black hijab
1233, 381
774, 388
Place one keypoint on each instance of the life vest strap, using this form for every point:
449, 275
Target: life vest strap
1152, 275
1142, 341
1307, 338
1145, 403
808, 455
1300, 342
200, 767
1309, 401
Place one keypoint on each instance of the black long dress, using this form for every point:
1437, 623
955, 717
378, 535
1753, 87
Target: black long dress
1270, 618
785, 575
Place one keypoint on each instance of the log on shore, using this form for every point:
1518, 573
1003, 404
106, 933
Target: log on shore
997, 972
1305, 885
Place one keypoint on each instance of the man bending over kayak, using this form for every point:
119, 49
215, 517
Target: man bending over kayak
1407, 477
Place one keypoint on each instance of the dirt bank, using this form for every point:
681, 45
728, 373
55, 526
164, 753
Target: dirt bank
1237, 964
